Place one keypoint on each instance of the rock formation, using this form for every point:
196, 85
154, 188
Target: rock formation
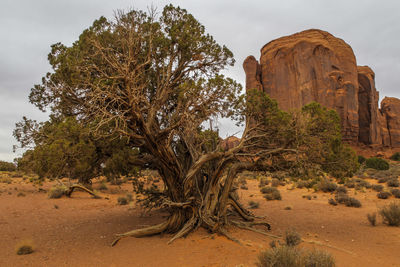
313, 65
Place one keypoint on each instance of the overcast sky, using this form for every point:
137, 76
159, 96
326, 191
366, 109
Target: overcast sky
29, 27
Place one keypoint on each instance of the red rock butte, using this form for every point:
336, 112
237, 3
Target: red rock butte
314, 65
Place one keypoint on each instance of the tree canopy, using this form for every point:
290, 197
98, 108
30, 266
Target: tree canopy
154, 80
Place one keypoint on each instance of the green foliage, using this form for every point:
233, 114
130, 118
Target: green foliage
361, 159
395, 156
377, 163
391, 214
7, 166
65, 147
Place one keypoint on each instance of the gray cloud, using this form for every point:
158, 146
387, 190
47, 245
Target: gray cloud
28, 28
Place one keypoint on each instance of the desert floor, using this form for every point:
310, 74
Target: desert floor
77, 231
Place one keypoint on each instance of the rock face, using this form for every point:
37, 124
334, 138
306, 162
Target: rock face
313, 65
391, 111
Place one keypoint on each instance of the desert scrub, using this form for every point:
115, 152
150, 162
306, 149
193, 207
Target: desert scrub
244, 187
57, 191
327, 186
341, 189
280, 256
395, 156
396, 192
271, 193
24, 247
391, 214
372, 218
122, 200
393, 183
361, 159
285, 256
103, 186
292, 238
317, 258
332, 202
263, 182
377, 187
253, 204
383, 195
353, 202
377, 163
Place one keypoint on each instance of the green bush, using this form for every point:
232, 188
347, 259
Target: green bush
395, 156
7, 166
377, 163
391, 214
361, 159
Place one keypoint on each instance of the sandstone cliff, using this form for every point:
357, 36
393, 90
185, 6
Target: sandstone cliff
313, 65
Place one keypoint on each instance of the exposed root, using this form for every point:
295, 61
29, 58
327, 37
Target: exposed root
152, 230
249, 226
240, 210
329, 246
189, 226
223, 232
81, 187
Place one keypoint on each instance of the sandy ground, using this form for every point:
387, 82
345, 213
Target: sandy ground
79, 231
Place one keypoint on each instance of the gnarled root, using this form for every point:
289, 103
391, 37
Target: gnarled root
81, 187
152, 230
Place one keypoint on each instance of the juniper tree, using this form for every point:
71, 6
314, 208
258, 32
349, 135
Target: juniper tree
157, 79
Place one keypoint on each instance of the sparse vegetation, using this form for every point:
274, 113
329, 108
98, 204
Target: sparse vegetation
122, 200
24, 247
391, 213
7, 166
395, 156
103, 186
372, 218
292, 238
57, 191
393, 183
383, 195
271, 193
377, 163
377, 187
253, 204
285, 256
332, 202
396, 192
327, 186
361, 159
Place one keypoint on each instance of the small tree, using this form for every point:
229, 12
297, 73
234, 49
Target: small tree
157, 80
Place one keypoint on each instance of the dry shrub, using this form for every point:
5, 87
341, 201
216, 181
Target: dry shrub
284, 256
377, 187
327, 186
396, 192
292, 238
391, 214
57, 191
253, 204
24, 247
372, 218
383, 195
